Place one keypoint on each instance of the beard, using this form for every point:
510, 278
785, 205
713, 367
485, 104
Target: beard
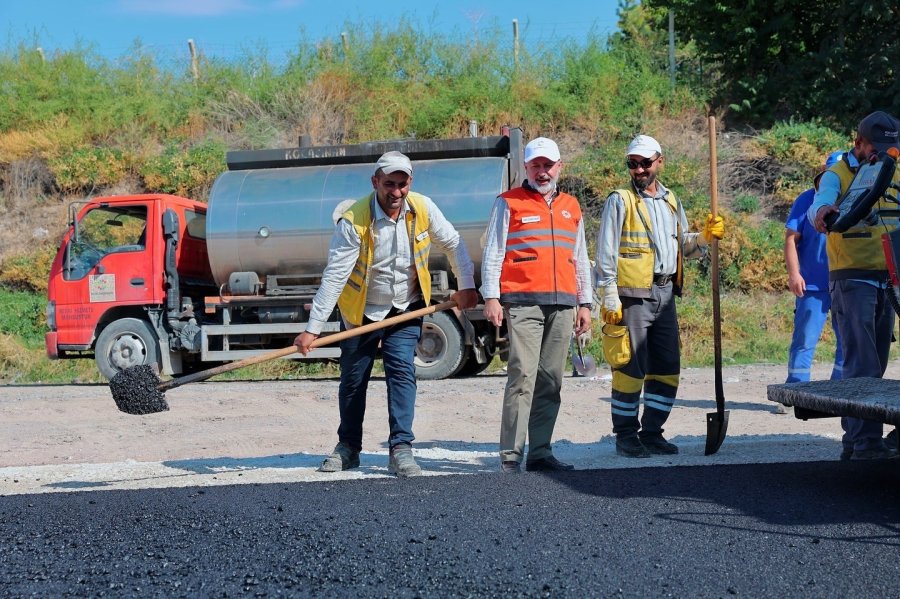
644, 183
546, 187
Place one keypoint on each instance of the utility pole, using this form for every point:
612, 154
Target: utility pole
195, 68
516, 43
672, 47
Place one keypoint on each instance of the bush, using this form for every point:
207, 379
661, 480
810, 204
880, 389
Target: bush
22, 314
28, 271
747, 204
800, 149
86, 169
188, 172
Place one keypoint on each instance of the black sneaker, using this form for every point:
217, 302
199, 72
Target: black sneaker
846, 453
656, 445
548, 464
631, 447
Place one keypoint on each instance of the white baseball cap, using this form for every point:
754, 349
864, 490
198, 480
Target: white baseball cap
541, 147
391, 162
643, 145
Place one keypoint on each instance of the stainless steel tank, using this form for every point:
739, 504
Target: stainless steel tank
279, 220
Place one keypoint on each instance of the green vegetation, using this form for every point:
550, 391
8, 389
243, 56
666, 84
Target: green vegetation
775, 59
74, 124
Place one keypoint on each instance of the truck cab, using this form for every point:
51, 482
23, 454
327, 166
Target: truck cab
109, 283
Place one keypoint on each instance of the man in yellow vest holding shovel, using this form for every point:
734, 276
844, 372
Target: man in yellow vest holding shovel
641, 244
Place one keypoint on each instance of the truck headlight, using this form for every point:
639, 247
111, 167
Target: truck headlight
51, 315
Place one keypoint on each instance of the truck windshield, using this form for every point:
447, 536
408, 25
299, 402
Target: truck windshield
105, 230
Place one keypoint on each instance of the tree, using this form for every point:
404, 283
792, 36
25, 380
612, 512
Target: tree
785, 58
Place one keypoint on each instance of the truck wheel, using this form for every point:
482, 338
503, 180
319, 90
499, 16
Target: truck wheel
440, 351
124, 343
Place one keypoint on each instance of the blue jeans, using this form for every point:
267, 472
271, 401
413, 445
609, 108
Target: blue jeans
398, 347
810, 313
866, 320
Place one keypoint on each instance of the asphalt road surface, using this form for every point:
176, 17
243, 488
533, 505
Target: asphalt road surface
806, 529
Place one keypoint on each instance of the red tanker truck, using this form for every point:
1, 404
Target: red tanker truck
181, 285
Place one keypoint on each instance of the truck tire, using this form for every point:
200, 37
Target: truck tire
124, 343
440, 351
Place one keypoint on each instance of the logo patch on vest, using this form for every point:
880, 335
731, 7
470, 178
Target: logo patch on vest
421, 235
566, 214
531, 219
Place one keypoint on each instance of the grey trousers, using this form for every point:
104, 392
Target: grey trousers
865, 320
538, 343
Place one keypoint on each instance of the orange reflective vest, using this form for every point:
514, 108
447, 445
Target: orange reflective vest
539, 265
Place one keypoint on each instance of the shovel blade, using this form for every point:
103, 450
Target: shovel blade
716, 428
585, 366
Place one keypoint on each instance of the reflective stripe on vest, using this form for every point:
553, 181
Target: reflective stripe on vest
857, 252
352, 301
539, 264
636, 252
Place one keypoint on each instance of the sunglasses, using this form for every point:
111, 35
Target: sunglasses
644, 164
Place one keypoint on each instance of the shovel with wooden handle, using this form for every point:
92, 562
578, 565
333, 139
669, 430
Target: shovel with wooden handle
137, 391
716, 422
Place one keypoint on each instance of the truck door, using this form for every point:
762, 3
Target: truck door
107, 264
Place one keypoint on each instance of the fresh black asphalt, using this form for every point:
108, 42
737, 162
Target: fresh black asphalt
824, 529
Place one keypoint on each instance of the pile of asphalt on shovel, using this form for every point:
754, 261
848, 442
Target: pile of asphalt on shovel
136, 391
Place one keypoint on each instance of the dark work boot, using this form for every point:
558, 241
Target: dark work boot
657, 445
631, 447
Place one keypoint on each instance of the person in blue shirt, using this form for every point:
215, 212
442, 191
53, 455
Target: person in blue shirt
806, 261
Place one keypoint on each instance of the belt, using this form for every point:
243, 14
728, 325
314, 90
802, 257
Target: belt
662, 280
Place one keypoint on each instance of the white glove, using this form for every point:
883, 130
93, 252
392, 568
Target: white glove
611, 306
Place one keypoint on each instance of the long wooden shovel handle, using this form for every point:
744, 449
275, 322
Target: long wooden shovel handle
287, 351
714, 265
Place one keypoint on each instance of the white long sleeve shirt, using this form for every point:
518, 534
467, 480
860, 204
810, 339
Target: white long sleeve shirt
393, 277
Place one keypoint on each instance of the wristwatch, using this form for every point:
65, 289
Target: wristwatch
588, 306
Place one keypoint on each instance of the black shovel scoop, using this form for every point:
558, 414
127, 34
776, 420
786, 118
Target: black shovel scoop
137, 390
716, 422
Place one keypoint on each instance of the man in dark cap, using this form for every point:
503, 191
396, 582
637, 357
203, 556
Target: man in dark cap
858, 278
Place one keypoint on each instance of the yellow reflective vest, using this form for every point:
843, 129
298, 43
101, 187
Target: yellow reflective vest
352, 301
636, 251
857, 253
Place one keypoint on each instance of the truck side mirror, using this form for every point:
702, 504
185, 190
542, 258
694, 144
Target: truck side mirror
170, 224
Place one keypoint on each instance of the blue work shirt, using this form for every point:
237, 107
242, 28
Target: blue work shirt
811, 251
